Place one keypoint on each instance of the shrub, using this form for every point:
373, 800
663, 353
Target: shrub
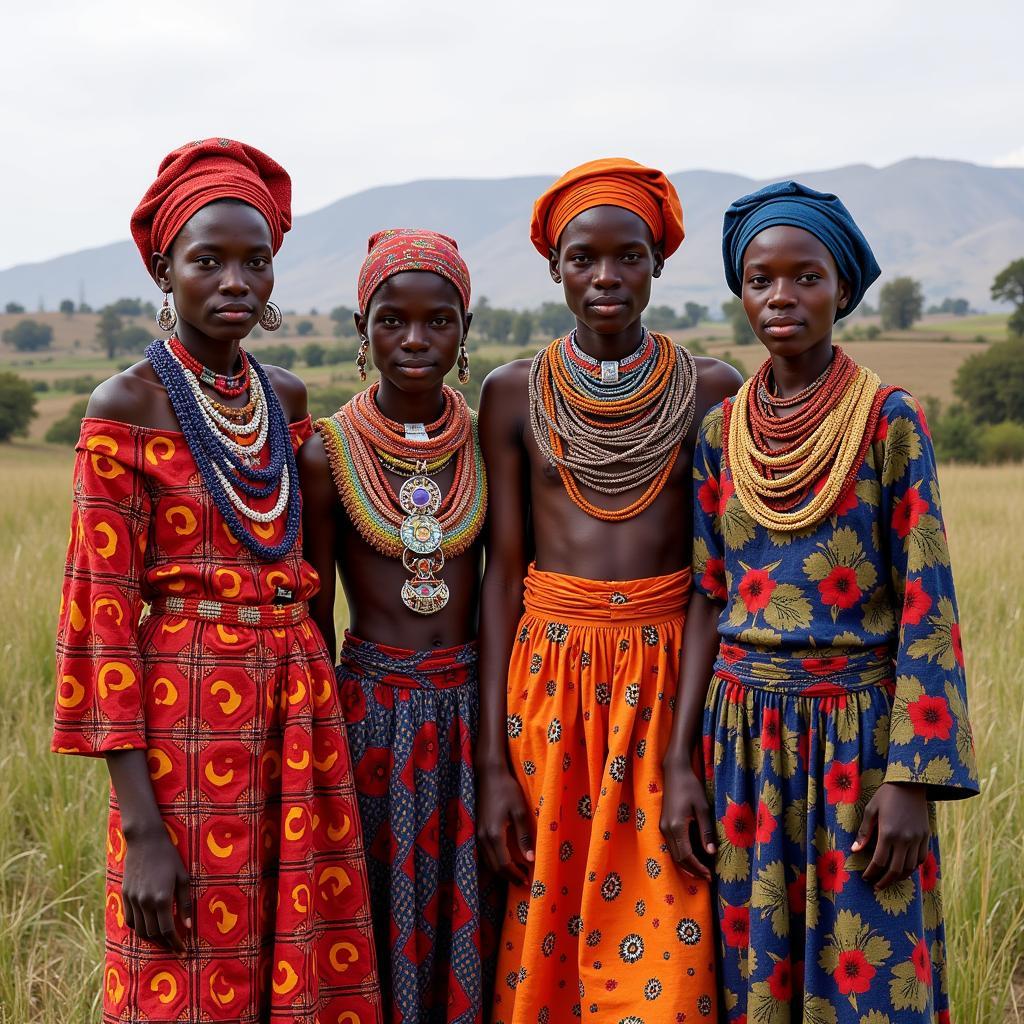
327, 399
29, 336
1002, 442
67, 428
313, 354
304, 327
17, 405
278, 355
991, 383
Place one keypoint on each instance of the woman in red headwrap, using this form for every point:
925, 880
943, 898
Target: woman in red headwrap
236, 885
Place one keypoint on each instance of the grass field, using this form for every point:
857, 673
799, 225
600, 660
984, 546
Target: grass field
52, 808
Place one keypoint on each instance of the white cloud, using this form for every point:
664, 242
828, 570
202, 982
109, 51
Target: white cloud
1015, 158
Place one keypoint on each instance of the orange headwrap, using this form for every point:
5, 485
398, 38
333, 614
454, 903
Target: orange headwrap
613, 181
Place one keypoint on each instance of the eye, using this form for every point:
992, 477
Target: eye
631, 257
207, 262
440, 322
579, 259
757, 280
259, 262
389, 321
810, 277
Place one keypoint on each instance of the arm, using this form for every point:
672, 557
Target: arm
319, 532
290, 391
501, 805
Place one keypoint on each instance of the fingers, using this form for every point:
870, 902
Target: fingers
183, 899
169, 936
129, 911
895, 872
524, 837
879, 861
867, 829
150, 930
677, 837
705, 826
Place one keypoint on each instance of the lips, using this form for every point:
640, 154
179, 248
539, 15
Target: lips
781, 326
234, 312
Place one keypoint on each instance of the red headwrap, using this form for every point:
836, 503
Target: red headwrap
398, 249
199, 173
613, 181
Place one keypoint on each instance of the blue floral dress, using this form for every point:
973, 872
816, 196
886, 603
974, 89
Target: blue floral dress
840, 668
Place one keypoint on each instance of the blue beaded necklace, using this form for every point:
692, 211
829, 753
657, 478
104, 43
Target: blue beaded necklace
208, 451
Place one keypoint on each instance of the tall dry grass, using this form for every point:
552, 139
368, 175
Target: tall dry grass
52, 808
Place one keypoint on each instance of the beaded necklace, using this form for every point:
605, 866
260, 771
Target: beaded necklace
229, 385
229, 466
826, 440
417, 524
613, 436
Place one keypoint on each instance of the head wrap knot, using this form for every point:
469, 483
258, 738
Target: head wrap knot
199, 173
396, 250
613, 181
796, 205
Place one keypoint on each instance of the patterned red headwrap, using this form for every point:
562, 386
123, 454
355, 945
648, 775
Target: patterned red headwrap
398, 249
199, 173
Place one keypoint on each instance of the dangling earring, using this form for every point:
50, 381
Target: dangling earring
270, 318
463, 364
166, 318
364, 344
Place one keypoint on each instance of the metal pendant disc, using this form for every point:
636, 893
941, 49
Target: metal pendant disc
421, 534
425, 596
419, 496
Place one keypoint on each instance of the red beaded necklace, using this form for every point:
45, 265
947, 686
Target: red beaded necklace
227, 385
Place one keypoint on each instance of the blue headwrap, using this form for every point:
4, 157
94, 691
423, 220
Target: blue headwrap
820, 213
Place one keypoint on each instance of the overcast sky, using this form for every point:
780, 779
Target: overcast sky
351, 95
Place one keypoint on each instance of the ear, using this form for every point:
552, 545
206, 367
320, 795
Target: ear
359, 319
160, 270
845, 292
556, 274
659, 261
467, 319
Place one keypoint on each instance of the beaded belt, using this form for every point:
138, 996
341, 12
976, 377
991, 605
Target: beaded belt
231, 614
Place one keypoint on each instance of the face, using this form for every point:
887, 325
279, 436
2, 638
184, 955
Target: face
219, 270
415, 325
791, 290
605, 261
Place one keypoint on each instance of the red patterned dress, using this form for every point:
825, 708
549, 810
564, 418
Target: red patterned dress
228, 687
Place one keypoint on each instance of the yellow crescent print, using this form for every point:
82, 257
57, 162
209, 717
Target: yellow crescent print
290, 831
297, 694
335, 881
276, 578
336, 833
234, 585
224, 997
183, 520
289, 978
301, 762
327, 763
159, 448
263, 530
272, 758
116, 849
114, 985
171, 570
349, 1017
322, 693
165, 986
232, 539
174, 627
231, 703
115, 608
125, 678
350, 952
106, 550
159, 764
226, 635
300, 898
104, 467
222, 916
221, 852
219, 778
170, 692
70, 693
115, 906
75, 616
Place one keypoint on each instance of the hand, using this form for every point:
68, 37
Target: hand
898, 812
154, 880
685, 805
501, 807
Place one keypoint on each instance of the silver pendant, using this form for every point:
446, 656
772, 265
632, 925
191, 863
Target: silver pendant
419, 496
425, 596
421, 534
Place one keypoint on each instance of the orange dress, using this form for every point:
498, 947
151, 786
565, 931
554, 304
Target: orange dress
607, 928
228, 687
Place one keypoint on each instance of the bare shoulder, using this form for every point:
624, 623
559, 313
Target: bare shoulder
504, 398
314, 466
290, 391
717, 379
133, 396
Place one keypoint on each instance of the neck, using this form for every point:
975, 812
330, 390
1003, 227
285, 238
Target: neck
609, 346
402, 407
219, 356
793, 373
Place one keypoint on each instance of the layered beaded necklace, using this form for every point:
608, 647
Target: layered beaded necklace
229, 444
776, 460
416, 525
612, 427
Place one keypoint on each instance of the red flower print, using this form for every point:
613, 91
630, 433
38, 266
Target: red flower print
832, 873
384, 695
373, 773
922, 418
708, 495
713, 580
771, 729
766, 823
353, 701
780, 983
736, 926
931, 717
908, 512
916, 603
842, 782
958, 647
847, 500
731, 653
922, 962
739, 824
853, 972
929, 872
824, 666
840, 588
756, 589
424, 747
881, 429
943, 1017
709, 750
727, 490
797, 893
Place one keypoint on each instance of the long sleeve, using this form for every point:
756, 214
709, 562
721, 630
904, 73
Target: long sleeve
99, 705
708, 550
930, 738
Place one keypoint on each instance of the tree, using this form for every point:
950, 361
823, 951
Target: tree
554, 319
278, 355
67, 307
500, 326
84, 307
304, 327
901, 303
344, 327
29, 336
737, 317
1008, 286
313, 354
132, 339
17, 405
107, 330
522, 329
661, 318
14, 307
128, 307
695, 313
69, 426
991, 383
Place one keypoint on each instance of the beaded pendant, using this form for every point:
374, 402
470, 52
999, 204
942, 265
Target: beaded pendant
421, 534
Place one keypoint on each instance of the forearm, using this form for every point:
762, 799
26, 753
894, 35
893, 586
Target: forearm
700, 649
321, 610
129, 773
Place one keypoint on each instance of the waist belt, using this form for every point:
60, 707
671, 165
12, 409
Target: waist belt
232, 614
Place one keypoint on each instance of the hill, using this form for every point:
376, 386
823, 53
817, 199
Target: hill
952, 225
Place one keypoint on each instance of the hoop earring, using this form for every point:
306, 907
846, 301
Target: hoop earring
364, 344
270, 318
166, 318
463, 364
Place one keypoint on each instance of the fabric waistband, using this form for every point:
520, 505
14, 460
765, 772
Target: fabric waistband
611, 602
267, 615
815, 675
441, 669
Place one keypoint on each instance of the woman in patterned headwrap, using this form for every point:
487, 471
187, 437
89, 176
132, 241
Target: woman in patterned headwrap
236, 885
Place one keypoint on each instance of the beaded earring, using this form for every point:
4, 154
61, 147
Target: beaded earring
166, 318
364, 344
463, 364
270, 318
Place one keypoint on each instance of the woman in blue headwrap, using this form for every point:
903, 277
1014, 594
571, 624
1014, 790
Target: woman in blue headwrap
824, 616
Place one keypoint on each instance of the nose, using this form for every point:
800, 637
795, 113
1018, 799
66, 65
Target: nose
232, 280
606, 273
781, 296
415, 339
